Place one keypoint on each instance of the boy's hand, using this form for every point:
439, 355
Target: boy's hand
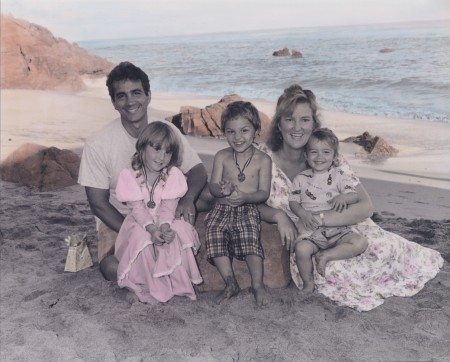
226, 187
338, 203
237, 197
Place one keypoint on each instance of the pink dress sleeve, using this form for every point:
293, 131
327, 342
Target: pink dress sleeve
128, 186
129, 190
140, 213
174, 188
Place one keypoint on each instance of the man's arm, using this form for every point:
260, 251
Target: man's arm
101, 207
196, 180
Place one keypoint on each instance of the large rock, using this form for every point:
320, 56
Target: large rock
32, 58
281, 53
205, 122
376, 147
41, 168
296, 54
276, 263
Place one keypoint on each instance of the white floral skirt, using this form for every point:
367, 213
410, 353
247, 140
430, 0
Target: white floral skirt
391, 266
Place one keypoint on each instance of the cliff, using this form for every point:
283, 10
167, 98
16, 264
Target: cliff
33, 58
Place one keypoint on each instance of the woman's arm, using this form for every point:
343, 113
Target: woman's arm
286, 228
353, 214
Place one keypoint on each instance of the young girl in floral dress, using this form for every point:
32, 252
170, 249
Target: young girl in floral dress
155, 251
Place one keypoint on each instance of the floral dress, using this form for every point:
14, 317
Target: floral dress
391, 265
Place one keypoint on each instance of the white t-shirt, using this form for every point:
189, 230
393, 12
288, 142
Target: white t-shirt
109, 151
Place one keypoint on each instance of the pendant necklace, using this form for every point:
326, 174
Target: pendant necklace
151, 204
241, 175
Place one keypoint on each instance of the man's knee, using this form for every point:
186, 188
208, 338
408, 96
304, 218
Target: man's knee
108, 268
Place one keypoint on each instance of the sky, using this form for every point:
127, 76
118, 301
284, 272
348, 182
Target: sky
77, 20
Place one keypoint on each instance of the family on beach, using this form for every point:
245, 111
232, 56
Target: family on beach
145, 184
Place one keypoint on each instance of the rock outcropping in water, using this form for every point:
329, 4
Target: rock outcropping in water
33, 58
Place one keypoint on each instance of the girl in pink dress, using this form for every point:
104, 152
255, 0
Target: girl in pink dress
155, 251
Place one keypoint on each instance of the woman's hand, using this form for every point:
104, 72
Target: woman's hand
288, 231
308, 221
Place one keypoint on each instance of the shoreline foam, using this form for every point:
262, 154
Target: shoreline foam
65, 120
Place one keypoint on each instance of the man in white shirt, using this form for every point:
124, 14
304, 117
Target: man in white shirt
110, 150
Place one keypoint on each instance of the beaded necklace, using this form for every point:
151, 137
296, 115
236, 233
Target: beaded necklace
241, 175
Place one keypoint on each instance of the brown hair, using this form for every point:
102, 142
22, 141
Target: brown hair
240, 109
326, 135
158, 135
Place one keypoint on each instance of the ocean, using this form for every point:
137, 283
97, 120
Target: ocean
342, 65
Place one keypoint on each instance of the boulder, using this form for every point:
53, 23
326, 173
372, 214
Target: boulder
32, 58
205, 122
296, 54
376, 147
41, 168
281, 53
276, 263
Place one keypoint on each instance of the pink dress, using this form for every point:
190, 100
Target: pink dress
155, 273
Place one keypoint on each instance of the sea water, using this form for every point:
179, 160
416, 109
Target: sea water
342, 65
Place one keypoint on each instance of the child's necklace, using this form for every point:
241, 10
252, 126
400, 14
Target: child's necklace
241, 175
151, 204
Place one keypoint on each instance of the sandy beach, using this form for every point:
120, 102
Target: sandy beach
51, 315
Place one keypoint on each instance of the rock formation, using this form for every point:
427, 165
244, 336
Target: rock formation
375, 146
205, 122
277, 272
281, 53
285, 52
41, 168
296, 54
32, 58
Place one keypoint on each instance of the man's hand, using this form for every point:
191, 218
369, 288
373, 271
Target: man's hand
186, 209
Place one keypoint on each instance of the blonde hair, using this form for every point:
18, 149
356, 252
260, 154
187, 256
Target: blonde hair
291, 97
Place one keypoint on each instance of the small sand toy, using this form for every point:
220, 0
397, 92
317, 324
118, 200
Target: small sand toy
78, 256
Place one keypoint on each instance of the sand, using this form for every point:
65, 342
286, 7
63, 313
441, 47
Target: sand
51, 315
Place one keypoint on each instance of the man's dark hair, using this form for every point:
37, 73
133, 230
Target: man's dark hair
124, 71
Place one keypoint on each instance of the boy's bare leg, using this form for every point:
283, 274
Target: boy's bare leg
348, 247
255, 265
223, 265
304, 250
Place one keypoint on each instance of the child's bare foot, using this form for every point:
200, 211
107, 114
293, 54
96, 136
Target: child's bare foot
321, 263
262, 298
131, 297
308, 288
231, 289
